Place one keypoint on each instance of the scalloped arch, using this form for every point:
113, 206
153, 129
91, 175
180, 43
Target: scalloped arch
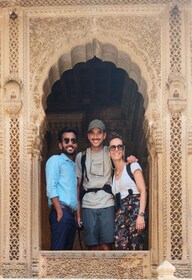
105, 52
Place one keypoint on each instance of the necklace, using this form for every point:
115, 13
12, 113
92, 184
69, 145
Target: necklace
118, 172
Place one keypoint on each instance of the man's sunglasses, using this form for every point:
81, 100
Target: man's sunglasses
118, 147
73, 140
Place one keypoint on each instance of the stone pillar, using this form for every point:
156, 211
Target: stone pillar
14, 260
175, 219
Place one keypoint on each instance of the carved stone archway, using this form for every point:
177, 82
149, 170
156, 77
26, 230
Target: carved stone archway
105, 52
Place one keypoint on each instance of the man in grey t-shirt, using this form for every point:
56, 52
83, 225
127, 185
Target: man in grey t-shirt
97, 204
98, 211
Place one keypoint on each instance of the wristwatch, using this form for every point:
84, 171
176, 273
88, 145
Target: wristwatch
141, 214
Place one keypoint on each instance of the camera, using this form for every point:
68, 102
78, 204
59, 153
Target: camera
80, 227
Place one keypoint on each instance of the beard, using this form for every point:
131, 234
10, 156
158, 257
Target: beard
69, 153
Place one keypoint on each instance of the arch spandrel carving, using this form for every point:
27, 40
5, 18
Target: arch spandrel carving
144, 51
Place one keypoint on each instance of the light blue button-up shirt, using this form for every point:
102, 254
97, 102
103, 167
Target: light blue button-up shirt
61, 180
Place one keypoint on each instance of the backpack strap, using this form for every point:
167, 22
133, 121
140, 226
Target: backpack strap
84, 170
113, 169
83, 166
128, 168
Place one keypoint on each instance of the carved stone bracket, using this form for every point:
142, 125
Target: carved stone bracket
176, 105
13, 107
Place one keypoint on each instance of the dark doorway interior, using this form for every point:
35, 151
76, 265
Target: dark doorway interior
94, 89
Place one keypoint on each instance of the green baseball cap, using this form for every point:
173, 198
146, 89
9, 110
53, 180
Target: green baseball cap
96, 124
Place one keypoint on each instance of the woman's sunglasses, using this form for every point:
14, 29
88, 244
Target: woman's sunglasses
73, 140
118, 147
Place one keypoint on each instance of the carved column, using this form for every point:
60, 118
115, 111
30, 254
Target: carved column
13, 251
34, 147
155, 141
177, 194
177, 234
36, 212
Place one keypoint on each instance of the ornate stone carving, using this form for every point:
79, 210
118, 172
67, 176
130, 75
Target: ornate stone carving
145, 44
176, 201
13, 45
175, 40
28, 3
176, 87
14, 190
155, 138
116, 265
14, 80
177, 105
15, 270
83, 29
34, 136
183, 270
13, 107
37, 99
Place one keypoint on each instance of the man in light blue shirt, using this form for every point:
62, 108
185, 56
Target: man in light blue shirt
61, 184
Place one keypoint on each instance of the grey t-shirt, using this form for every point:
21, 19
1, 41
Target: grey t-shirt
98, 167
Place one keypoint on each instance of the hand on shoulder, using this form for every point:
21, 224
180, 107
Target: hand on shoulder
132, 159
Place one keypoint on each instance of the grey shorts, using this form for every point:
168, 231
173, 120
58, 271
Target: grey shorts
98, 225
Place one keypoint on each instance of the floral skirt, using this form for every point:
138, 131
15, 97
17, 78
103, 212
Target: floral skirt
126, 236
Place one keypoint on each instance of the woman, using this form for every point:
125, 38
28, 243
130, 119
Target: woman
130, 195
